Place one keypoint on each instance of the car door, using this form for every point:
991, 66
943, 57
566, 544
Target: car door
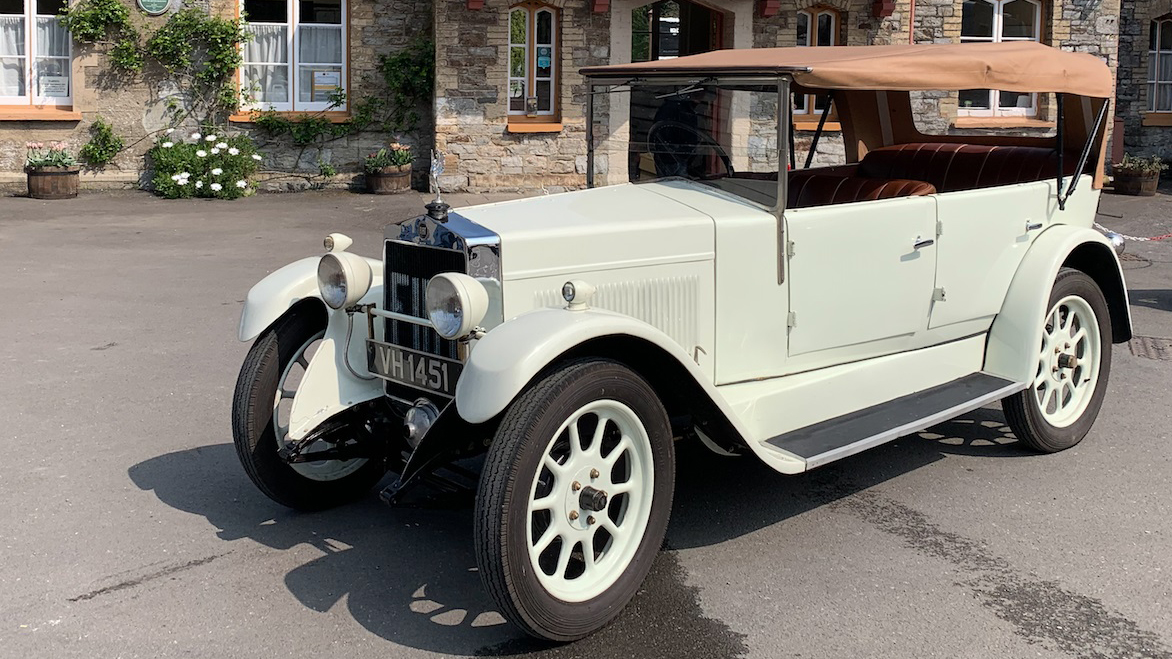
861, 277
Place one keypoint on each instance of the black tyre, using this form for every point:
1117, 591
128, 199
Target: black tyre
271, 367
1074, 364
574, 499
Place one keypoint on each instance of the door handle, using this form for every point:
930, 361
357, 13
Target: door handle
920, 244
1033, 226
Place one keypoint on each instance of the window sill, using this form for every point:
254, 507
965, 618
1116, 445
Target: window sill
1157, 119
334, 117
1001, 122
37, 113
805, 124
535, 127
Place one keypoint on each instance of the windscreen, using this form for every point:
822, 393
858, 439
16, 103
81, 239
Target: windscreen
720, 136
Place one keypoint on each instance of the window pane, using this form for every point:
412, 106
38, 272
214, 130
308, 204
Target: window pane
519, 26
269, 44
803, 29
825, 30
800, 103
641, 34
266, 11
11, 6
544, 96
1153, 32
820, 102
1152, 66
50, 7
544, 27
517, 95
52, 78
669, 36
976, 19
1152, 97
1164, 98
1166, 36
12, 76
52, 38
1020, 19
544, 61
266, 84
319, 44
1015, 100
1165, 70
517, 62
317, 82
975, 99
12, 35
321, 11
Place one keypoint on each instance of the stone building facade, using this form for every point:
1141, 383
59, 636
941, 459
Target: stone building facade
1145, 77
508, 106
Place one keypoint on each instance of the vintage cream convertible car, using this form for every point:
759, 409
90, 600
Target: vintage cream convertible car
714, 293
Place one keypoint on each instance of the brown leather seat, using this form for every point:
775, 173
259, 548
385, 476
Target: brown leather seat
952, 167
813, 189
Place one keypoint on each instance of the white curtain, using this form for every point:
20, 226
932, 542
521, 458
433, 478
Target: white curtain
12, 53
318, 45
267, 69
52, 38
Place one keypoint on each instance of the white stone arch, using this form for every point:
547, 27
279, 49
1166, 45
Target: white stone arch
738, 29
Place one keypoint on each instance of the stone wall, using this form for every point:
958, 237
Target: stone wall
471, 104
136, 106
1132, 95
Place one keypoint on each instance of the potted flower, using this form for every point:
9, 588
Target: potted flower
389, 170
52, 171
1138, 176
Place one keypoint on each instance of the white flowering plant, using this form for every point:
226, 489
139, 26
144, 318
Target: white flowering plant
192, 167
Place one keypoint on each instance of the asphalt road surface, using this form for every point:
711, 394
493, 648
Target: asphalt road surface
128, 529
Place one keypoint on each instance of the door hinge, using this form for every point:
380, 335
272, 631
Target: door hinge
938, 295
791, 320
939, 228
789, 249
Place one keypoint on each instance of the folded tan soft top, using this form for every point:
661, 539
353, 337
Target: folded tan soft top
1012, 66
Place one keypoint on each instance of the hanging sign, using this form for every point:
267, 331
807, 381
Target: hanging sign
57, 86
325, 83
154, 7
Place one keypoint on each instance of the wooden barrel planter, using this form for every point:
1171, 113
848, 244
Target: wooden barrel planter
53, 182
389, 180
1142, 185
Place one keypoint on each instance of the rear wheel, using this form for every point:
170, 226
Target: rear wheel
265, 389
1073, 365
574, 499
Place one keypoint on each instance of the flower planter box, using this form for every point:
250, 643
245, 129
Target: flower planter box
389, 180
53, 182
1141, 185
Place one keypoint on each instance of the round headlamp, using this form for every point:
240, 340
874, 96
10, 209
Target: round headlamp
456, 303
343, 278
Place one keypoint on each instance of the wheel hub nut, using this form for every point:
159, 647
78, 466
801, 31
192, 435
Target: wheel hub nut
573, 515
592, 499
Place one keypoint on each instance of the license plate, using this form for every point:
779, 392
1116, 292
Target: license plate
413, 368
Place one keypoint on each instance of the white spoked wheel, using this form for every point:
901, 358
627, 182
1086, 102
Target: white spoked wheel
1068, 366
590, 501
574, 498
1070, 375
324, 470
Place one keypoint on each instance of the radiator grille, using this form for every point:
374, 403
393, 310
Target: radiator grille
408, 268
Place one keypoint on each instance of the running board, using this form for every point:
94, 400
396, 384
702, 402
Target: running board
858, 431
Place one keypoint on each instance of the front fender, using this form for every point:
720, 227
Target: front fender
1012, 348
272, 296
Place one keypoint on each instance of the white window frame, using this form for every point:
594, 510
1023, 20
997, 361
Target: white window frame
294, 64
1162, 50
995, 109
30, 49
530, 78
812, 14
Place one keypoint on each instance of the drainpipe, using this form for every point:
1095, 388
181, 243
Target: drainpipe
911, 22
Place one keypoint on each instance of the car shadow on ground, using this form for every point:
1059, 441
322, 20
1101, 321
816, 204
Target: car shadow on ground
409, 574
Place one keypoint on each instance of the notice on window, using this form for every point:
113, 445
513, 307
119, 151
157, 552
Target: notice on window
325, 82
54, 85
544, 57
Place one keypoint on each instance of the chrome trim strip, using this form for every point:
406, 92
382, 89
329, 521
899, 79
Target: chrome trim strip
911, 427
403, 317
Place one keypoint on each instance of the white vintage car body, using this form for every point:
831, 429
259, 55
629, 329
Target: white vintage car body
802, 333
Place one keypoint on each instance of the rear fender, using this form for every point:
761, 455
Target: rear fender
1012, 347
508, 358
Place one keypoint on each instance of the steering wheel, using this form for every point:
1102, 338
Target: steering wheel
672, 155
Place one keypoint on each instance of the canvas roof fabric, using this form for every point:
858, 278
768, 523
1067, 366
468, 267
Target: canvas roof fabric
1021, 66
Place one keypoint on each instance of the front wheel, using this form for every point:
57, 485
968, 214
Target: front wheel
1073, 364
260, 421
574, 499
